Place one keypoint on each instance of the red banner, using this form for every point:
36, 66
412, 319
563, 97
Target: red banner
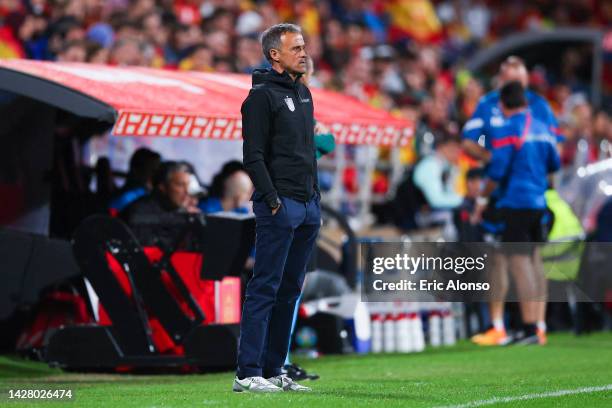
155, 102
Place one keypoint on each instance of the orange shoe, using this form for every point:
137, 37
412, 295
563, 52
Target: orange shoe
492, 337
542, 339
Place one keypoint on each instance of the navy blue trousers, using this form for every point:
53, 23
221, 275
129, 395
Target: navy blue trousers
283, 245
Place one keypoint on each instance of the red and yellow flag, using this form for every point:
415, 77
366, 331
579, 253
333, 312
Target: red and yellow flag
9, 46
414, 19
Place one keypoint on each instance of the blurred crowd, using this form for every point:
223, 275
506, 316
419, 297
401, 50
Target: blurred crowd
405, 56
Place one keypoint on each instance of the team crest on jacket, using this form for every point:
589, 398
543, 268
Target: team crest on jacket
289, 103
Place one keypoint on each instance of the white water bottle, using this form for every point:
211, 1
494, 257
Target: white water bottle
389, 334
449, 337
403, 338
417, 335
435, 332
377, 333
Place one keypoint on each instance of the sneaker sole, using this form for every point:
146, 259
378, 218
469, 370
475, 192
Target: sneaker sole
527, 341
501, 343
255, 392
239, 389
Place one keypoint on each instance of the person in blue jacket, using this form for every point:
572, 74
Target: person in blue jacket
478, 135
237, 190
139, 181
488, 115
523, 154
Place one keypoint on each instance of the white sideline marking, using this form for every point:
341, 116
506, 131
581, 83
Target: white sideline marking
560, 393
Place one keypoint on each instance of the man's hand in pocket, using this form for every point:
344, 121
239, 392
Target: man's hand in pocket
275, 210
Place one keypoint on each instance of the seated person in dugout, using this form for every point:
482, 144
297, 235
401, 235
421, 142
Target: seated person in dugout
435, 175
139, 182
151, 217
235, 196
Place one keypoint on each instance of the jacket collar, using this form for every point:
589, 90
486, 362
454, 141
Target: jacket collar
261, 76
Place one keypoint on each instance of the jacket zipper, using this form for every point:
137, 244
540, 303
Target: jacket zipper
299, 100
296, 88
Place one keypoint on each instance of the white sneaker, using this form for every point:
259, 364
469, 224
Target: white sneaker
287, 384
254, 384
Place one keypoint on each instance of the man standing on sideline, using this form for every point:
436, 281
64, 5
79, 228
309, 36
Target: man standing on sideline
279, 155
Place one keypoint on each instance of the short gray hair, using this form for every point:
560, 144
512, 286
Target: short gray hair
168, 168
271, 37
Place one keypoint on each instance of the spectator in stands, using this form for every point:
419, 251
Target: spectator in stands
73, 51
61, 32
97, 54
433, 126
127, 52
32, 33
200, 59
582, 145
184, 38
602, 126
248, 55
154, 29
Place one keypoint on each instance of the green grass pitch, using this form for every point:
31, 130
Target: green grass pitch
569, 372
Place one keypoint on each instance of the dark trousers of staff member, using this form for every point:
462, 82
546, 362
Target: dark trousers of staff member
283, 245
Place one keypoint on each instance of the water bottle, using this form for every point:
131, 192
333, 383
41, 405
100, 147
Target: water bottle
389, 334
377, 333
435, 332
403, 338
417, 335
449, 337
